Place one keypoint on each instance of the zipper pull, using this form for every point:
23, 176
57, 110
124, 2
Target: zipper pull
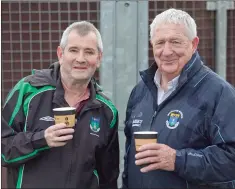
154, 115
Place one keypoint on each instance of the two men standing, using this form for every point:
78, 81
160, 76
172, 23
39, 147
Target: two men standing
190, 107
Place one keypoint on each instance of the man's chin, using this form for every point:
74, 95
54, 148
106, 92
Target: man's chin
83, 79
169, 70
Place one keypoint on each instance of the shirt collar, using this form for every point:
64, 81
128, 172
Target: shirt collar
171, 84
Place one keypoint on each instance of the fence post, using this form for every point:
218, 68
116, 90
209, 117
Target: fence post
125, 48
221, 7
124, 29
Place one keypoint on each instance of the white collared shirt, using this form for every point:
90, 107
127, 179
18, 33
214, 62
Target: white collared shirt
171, 86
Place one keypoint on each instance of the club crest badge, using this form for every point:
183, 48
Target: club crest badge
174, 118
95, 124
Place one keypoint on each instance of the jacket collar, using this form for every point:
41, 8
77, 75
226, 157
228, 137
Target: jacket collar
172, 84
59, 93
52, 77
188, 71
40, 78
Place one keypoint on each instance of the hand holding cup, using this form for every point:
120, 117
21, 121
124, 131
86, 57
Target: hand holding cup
58, 135
152, 155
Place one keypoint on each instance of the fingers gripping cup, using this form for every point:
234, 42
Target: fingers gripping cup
144, 137
65, 115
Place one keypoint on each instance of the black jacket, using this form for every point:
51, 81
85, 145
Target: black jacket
197, 119
89, 160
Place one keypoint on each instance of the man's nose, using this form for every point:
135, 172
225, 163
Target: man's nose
167, 49
80, 57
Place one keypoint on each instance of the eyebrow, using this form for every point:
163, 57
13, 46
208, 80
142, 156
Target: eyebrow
74, 47
168, 39
90, 49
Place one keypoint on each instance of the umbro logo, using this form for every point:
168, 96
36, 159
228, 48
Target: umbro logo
47, 118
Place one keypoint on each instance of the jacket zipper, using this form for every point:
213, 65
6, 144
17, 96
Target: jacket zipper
78, 118
152, 119
87, 109
164, 102
154, 115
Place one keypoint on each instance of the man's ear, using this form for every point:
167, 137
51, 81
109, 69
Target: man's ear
195, 43
100, 56
59, 53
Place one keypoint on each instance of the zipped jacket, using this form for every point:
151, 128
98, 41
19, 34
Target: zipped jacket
89, 160
197, 119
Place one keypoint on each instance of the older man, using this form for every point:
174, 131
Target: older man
42, 154
191, 108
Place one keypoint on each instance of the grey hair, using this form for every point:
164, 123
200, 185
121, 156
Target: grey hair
176, 17
83, 28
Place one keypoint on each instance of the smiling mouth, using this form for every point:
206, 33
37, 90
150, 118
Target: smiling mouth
169, 61
80, 68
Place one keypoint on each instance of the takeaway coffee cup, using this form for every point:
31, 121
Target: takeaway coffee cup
65, 115
144, 137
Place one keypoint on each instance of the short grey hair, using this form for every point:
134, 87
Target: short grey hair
83, 28
174, 16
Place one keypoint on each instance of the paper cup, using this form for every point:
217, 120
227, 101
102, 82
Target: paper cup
65, 115
144, 137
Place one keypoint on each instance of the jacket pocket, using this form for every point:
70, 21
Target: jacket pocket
229, 184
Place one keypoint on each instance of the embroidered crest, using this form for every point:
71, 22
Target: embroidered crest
174, 118
95, 124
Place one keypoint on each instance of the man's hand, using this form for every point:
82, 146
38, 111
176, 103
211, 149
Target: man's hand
58, 135
157, 156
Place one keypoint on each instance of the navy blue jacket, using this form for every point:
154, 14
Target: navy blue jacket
197, 119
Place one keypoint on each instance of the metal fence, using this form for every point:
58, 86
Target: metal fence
31, 32
231, 47
205, 24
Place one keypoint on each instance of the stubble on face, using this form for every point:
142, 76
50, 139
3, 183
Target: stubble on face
172, 48
80, 57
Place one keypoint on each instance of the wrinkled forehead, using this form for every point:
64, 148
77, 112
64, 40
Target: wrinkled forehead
170, 30
88, 40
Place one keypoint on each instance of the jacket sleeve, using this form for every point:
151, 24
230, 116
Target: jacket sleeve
127, 146
127, 132
216, 163
18, 145
107, 160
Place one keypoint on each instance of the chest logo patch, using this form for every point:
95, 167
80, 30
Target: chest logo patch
136, 123
174, 118
95, 124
